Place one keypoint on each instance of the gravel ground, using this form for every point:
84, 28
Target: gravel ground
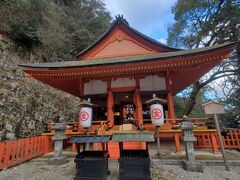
38, 169
170, 172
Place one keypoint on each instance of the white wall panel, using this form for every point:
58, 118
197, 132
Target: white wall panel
95, 87
123, 82
152, 83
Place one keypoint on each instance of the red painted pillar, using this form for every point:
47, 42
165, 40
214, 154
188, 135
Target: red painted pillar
177, 142
214, 143
138, 104
110, 113
171, 113
81, 91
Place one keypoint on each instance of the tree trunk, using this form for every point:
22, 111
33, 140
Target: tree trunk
192, 99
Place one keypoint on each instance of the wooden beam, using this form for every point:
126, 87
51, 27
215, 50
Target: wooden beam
123, 89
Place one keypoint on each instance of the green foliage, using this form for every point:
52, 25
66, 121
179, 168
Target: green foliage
5, 45
232, 117
204, 23
53, 30
22, 19
180, 103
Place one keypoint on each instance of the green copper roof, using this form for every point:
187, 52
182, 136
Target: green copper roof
127, 59
133, 137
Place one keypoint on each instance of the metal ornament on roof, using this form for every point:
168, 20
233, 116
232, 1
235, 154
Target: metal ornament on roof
156, 110
85, 114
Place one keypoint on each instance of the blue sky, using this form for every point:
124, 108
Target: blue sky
151, 17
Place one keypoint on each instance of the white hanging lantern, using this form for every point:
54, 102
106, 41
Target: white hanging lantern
85, 114
157, 115
85, 117
156, 110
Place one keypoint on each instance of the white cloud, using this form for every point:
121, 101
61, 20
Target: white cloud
150, 17
162, 40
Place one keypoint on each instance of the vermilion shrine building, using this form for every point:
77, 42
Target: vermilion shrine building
123, 69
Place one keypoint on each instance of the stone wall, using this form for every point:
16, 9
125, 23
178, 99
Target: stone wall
26, 105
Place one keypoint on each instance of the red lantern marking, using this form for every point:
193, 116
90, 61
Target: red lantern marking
84, 116
156, 114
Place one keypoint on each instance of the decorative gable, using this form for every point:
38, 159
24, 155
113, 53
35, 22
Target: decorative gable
118, 43
122, 40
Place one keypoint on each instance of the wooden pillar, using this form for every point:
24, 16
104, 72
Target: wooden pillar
110, 113
177, 142
171, 113
214, 143
81, 93
138, 104
74, 148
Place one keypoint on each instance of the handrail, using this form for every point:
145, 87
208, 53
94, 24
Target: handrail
17, 151
181, 119
73, 125
203, 122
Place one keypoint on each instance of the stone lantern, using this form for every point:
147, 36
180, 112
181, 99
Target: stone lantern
59, 136
188, 137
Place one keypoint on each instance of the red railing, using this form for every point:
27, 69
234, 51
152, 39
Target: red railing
231, 140
201, 123
18, 151
75, 126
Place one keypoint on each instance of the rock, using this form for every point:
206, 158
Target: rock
10, 136
1, 135
9, 127
13, 86
1, 104
32, 124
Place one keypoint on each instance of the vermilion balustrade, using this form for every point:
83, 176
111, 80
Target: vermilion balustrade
231, 140
17, 151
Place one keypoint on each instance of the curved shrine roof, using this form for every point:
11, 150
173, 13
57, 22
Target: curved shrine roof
124, 52
129, 59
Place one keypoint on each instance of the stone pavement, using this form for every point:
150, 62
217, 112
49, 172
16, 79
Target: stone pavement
113, 167
167, 169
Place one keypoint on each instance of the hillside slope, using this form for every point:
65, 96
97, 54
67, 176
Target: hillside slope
26, 105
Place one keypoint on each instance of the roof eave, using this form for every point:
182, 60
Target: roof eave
178, 55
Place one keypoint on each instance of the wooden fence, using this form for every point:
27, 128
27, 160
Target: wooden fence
17, 151
231, 140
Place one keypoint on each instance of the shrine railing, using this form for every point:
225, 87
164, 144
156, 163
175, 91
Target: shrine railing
21, 150
231, 140
75, 126
201, 123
